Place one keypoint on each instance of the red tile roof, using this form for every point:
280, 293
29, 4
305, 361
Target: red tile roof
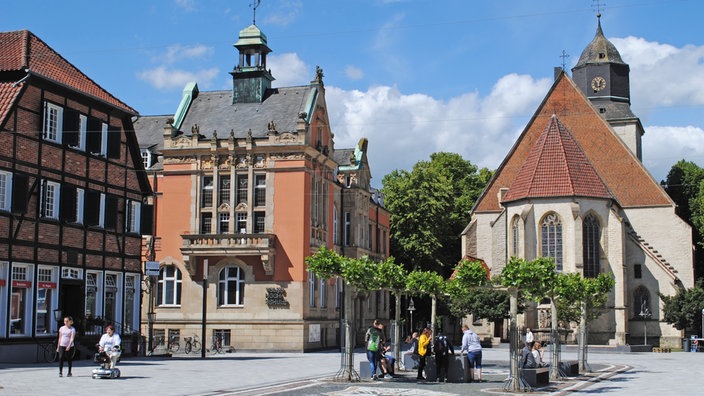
8, 94
22, 49
556, 167
619, 169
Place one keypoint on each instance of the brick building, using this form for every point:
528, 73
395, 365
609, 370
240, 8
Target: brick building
71, 193
248, 184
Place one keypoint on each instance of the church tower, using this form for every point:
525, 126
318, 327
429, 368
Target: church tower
604, 78
250, 77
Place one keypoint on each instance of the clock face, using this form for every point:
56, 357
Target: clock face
598, 83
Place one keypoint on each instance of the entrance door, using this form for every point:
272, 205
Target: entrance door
71, 302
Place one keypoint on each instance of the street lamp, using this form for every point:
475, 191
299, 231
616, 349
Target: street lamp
412, 308
644, 313
57, 316
151, 317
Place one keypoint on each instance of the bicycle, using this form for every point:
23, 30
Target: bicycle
192, 344
217, 345
174, 345
50, 353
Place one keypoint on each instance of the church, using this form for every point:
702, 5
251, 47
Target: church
573, 187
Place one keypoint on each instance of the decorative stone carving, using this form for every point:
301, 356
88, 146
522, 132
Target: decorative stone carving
276, 297
182, 141
287, 156
242, 162
268, 264
259, 162
178, 160
286, 137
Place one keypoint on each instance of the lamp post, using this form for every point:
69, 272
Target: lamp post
58, 317
645, 314
151, 317
411, 308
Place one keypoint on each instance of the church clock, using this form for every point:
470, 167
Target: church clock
598, 83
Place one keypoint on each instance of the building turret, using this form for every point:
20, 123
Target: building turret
250, 77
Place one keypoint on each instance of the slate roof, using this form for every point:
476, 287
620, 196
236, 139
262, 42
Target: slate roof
214, 111
556, 166
618, 168
21, 50
150, 131
600, 50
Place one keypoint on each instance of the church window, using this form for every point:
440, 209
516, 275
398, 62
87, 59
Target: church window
591, 235
551, 230
637, 271
641, 301
514, 237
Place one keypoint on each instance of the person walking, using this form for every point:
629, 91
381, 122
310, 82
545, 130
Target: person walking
443, 349
471, 345
374, 339
529, 335
65, 345
423, 351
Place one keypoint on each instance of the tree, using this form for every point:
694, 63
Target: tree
685, 185
427, 283
429, 207
392, 277
684, 309
471, 293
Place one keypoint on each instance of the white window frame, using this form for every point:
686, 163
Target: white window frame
311, 289
131, 321
53, 122
133, 215
26, 328
117, 286
224, 291
146, 158
177, 280
4, 284
80, 202
50, 204
323, 293
82, 131
101, 215
5, 191
47, 274
98, 285
104, 139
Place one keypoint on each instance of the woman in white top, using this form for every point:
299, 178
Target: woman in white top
64, 346
110, 344
538, 354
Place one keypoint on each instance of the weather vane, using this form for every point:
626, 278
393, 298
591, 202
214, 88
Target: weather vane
564, 57
254, 5
598, 5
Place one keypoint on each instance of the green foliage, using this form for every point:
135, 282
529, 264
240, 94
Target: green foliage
391, 275
535, 278
572, 289
485, 303
361, 274
325, 263
429, 207
425, 283
684, 309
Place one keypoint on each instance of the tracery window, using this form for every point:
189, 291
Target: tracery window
591, 235
551, 238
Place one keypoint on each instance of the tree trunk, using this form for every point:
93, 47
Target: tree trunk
555, 367
433, 313
397, 330
514, 382
347, 372
583, 339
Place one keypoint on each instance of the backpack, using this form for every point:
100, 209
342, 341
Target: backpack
441, 346
373, 342
414, 347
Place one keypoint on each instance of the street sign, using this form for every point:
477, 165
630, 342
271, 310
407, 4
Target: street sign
151, 268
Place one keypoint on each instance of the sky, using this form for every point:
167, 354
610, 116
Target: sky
413, 76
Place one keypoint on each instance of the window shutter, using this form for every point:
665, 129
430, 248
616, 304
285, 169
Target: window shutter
67, 211
91, 215
114, 146
70, 127
146, 221
20, 186
94, 135
111, 203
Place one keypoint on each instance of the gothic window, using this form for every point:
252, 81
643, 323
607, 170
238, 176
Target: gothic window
641, 301
231, 286
169, 290
515, 240
551, 239
591, 235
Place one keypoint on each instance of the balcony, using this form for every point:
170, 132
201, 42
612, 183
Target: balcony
261, 245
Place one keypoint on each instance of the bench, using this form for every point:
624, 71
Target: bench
537, 377
410, 362
457, 369
569, 368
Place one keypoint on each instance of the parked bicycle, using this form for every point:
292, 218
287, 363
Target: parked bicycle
217, 345
192, 344
174, 345
50, 353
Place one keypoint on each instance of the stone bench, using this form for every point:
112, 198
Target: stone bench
536, 377
457, 369
569, 368
365, 372
410, 362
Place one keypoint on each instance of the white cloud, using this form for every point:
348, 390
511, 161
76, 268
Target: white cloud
354, 73
164, 79
663, 146
188, 5
662, 75
289, 70
178, 52
405, 128
283, 13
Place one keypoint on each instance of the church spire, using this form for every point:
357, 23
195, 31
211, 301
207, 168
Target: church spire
251, 78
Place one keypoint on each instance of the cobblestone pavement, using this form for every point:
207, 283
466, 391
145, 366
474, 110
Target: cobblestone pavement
245, 373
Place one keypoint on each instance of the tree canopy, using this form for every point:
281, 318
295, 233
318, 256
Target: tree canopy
429, 208
684, 309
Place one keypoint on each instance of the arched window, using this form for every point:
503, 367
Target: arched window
515, 237
591, 235
551, 238
169, 290
641, 302
231, 286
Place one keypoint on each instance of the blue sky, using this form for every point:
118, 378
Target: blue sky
413, 76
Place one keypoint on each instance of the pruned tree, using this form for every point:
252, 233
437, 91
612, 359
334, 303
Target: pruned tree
427, 283
392, 276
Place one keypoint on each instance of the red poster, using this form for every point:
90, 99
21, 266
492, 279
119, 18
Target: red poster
46, 285
22, 284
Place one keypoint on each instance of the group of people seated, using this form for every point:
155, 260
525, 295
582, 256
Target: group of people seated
532, 355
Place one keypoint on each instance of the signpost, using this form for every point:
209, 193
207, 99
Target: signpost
151, 268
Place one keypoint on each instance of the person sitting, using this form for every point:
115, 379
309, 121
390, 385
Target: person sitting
387, 362
110, 344
527, 359
538, 354
412, 351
